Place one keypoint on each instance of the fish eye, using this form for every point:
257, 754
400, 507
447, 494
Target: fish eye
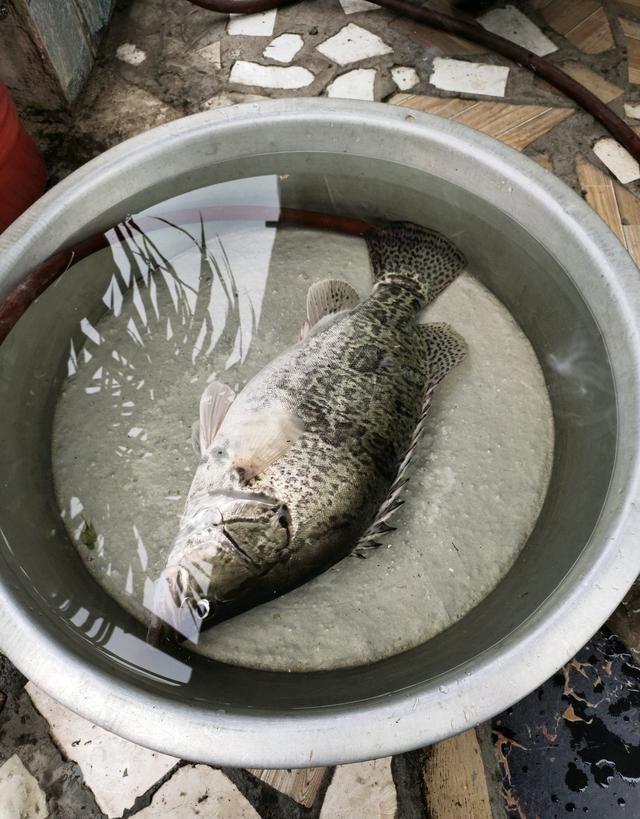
202, 608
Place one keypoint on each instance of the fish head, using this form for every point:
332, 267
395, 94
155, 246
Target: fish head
216, 552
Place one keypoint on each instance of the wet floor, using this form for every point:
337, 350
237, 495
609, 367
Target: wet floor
573, 746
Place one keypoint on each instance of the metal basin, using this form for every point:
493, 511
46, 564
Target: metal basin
567, 281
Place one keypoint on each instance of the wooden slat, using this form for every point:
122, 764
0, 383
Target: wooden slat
528, 131
631, 6
564, 17
593, 35
302, 784
516, 125
598, 190
442, 106
495, 118
619, 208
630, 28
632, 243
583, 22
544, 160
628, 204
455, 781
603, 89
631, 31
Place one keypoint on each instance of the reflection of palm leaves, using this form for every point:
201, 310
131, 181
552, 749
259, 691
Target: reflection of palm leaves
185, 324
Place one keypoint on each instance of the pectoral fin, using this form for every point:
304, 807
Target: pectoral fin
214, 405
264, 437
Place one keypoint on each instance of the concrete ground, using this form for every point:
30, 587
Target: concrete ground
572, 746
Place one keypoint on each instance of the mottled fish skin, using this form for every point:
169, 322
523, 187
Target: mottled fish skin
349, 397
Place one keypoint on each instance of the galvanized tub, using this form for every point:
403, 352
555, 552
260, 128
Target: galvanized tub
569, 284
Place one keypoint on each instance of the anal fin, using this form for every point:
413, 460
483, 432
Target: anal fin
445, 349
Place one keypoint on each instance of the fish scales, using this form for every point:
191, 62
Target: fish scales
295, 469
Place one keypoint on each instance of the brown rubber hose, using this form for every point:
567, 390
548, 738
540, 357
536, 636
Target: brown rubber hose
616, 126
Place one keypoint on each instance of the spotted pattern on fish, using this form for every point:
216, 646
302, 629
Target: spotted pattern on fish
352, 396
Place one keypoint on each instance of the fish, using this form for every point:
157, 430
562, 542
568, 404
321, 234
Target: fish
304, 466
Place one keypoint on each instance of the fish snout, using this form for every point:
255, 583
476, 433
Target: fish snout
178, 613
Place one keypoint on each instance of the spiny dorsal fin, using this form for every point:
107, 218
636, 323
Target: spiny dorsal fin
325, 298
445, 349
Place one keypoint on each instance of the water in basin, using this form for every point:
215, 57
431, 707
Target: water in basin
154, 325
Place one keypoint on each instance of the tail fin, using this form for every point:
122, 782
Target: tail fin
402, 247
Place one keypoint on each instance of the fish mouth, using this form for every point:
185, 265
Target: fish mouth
175, 610
172, 628
161, 633
246, 526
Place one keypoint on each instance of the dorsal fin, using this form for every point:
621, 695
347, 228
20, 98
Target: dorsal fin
325, 298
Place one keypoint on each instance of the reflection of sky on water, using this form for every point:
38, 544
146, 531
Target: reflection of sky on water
127, 648
189, 284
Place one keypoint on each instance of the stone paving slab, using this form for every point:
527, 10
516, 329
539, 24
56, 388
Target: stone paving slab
117, 771
20, 794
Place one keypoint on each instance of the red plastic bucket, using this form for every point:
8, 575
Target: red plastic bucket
23, 174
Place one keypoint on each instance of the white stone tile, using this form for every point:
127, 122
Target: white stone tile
354, 85
130, 53
270, 76
226, 98
632, 110
198, 791
469, 78
353, 43
20, 795
619, 161
354, 6
117, 771
512, 24
211, 54
284, 48
253, 25
404, 77
364, 789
